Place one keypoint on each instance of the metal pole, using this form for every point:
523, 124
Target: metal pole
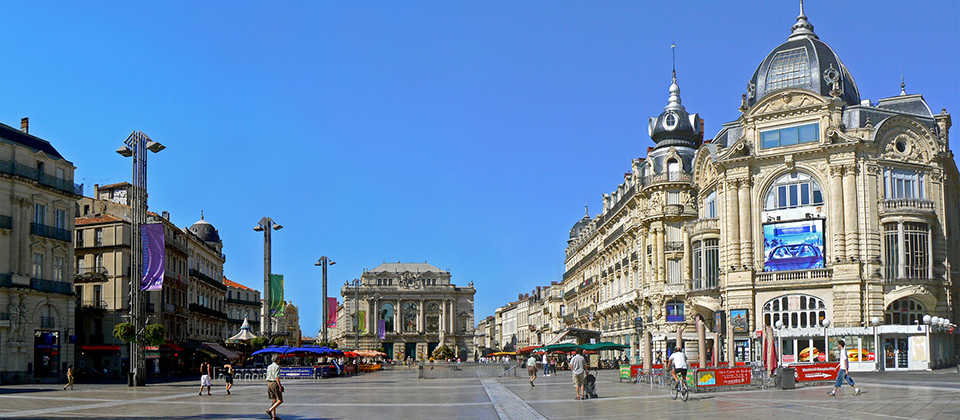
137, 144
323, 261
265, 327
356, 299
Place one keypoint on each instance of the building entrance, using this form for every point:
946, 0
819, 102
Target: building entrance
410, 350
895, 352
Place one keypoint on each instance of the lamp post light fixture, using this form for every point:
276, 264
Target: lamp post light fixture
266, 225
136, 146
324, 262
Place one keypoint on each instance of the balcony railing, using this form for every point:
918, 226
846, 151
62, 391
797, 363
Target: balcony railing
700, 284
243, 302
795, 276
667, 177
705, 225
91, 275
900, 205
51, 286
209, 280
51, 232
13, 168
207, 311
6, 222
94, 304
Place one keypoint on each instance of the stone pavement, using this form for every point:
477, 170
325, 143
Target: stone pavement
398, 394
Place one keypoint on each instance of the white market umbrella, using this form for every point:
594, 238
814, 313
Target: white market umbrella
244, 333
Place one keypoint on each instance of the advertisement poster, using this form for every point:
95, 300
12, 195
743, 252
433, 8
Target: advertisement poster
796, 245
332, 306
816, 372
153, 256
723, 377
276, 294
739, 320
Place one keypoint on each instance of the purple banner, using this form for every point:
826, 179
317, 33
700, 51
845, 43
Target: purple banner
151, 239
381, 329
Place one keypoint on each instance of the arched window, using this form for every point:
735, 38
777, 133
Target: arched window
788, 69
796, 311
410, 310
386, 314
709, 210
904, 311
433, 317
791, 190
673, 169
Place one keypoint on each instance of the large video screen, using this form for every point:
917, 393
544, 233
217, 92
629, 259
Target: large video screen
796, 245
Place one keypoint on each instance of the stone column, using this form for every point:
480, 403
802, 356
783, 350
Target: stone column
850, 210
398, 319
374, 314
836, 212
648, 265
731, 346
746, 226
659, 255
733, 224
647, 351
421, 322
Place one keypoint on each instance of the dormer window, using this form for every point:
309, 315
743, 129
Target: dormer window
807, 133
670, 121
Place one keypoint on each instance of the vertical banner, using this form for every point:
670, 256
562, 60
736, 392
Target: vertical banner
381, 329
153, 255
362, 322
332, 312
276, 294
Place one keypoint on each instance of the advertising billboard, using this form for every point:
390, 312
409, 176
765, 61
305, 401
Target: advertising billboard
739, 320
795, 245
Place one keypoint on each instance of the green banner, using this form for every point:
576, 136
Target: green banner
276, 294
362, 322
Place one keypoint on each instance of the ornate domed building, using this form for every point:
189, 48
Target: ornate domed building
815, 212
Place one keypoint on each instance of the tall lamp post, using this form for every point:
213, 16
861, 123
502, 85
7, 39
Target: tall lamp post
356, 312
136, 146
325, 261
266, 225
779, 326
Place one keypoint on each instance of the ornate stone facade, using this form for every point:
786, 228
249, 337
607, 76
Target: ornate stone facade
419, 306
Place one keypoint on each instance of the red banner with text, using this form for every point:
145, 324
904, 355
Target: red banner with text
816, 372
723, 377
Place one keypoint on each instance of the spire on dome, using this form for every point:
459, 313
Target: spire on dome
674, 103
586, 211
903, 86
802, 28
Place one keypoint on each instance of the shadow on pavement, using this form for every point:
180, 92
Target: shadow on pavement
25, 390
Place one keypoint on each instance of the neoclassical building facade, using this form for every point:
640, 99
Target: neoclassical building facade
409, 309
818, 213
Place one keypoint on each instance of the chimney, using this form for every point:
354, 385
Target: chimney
25, 125
165, 214
96, 191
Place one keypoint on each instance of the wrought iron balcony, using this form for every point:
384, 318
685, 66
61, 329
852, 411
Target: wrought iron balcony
51, 286
794, 277
97, 274
668, 177
51, 232
673, 246
10, 167
93, 304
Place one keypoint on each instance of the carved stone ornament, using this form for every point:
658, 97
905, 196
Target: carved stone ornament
786, 101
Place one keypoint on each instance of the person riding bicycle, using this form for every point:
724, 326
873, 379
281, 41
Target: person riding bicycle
678, 365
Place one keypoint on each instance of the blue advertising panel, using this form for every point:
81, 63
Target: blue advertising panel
796, 245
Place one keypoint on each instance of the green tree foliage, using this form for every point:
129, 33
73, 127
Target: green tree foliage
277, 341
258, 343
154, 334
124, 332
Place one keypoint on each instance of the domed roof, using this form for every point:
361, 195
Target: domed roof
674, 126
581, 224
205, 231
803, 62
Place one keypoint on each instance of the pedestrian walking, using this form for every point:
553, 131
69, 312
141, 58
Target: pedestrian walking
842, 370
546, 365
69, 378
274, 388
532, 369
205, 381
579, 371
228, 377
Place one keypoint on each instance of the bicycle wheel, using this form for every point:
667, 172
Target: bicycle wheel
684, 393
676, 391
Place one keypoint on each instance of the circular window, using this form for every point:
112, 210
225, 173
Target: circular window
670, 121
901, 146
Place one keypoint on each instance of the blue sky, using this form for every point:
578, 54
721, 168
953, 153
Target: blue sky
469, 135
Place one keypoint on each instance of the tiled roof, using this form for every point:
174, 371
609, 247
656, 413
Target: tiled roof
96, 219
36, 143
231, 283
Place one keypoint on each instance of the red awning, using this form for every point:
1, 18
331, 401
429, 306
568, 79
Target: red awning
87, 347
528, 349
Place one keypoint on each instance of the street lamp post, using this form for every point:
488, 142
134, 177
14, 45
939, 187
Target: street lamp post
826, 341
779, 325
136, 146
875, 321
266, 225
325, 261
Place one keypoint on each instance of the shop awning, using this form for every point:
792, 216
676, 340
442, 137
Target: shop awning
229, 354
89, 347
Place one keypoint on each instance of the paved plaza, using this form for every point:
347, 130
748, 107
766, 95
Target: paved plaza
397, 394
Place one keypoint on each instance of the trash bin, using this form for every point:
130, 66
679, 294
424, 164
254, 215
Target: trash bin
786, 378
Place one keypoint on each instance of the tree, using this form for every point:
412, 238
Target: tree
154, 334
124, 332
258, 342
277, 341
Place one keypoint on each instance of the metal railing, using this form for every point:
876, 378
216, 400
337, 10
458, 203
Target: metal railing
673, 246
667, 177
51, 286
51, 232
94, 304
32, 173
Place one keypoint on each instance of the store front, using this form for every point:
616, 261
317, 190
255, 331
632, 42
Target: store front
46, 354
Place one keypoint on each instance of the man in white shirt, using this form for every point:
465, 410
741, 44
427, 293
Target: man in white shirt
546, 365
274, 388
532, 369
579, 370
842, 370
678, 364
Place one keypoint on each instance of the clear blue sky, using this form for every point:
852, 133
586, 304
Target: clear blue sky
466, 134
